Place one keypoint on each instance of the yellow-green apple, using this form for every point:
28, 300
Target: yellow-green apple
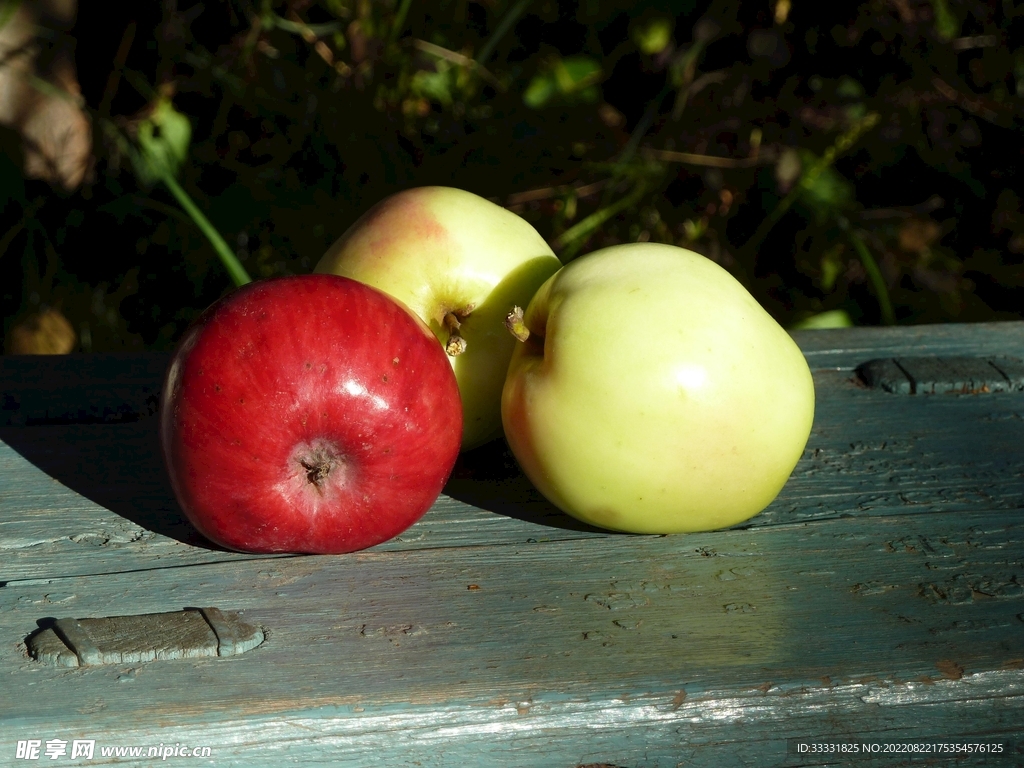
654, 394
460, 262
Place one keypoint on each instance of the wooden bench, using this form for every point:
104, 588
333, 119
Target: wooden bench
880, 597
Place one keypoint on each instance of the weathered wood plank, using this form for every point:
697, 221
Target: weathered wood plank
113, 388
716, 729
80, 389
870, 453
719, 639
880, 595
846, 348
112, 509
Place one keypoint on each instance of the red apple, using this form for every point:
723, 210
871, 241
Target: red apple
308, 414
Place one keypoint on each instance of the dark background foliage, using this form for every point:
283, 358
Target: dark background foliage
858, 160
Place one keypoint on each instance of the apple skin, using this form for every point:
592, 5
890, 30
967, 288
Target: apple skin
308, 414
441, 250
655, 395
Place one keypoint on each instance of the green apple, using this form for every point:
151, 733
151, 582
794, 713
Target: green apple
654, 394
460, 262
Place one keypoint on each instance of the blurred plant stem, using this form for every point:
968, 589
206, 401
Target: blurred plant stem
809, 177
403, 11
231, 263
507, 22
161, 145
573, 239
710, 161
28, 215
457, 58
881, 290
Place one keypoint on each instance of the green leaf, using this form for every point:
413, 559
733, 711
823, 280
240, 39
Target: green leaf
540, 91
946, 25
163, 140
855, 111
435, 86
831, 267
576, 73
826, 192
570, 79
848, 88
7, 10
653, 36
833, 318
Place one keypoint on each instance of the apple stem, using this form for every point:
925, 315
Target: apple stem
456, 344
318, 466
516, 323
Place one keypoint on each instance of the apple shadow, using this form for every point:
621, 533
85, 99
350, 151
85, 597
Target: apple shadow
117, 466
489, 478
120, 468
91, 424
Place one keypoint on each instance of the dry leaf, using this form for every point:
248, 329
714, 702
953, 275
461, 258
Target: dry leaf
918, 234
55, 130
46, 332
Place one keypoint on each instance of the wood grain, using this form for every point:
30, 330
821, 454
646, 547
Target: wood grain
881, 595
612, 629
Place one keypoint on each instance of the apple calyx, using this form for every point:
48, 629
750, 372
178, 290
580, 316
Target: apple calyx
318, 461
516, 323
456, 344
